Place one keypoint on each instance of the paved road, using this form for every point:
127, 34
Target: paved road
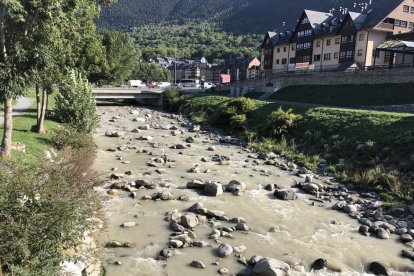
21, 106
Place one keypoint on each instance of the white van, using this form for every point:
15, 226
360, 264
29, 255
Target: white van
136, 83
163, 84
207, 85
190, 83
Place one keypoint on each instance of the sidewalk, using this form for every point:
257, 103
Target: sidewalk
21, 106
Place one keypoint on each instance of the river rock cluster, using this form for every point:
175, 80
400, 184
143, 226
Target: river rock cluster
183, 223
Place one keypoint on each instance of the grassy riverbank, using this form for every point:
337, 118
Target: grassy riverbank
369, 148
348, 95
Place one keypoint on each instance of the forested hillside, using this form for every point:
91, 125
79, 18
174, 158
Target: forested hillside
238, 16
194, 39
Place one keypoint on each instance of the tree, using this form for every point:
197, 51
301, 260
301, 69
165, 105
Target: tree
151, 72
75, 104
22, 24
122, 57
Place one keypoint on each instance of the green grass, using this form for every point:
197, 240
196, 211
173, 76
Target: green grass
254, 95
348, 95
35, 143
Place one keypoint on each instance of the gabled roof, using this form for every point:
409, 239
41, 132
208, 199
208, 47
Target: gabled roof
316, 17
397, 46
379, 10
358, 19
271, 36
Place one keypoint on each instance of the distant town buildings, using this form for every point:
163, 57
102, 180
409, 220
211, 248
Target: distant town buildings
238, 69
322, 40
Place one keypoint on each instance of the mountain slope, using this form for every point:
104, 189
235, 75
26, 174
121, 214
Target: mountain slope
239, 16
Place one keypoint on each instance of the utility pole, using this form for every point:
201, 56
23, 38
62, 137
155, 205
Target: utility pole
175, 66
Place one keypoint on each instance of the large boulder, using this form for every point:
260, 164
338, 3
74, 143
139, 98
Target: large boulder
213, 189
236, 186
378, 269
285, 194
270, 267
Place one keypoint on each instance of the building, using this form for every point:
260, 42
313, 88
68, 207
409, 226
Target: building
328, 40
241, 69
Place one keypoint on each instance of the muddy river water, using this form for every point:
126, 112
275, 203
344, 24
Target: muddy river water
296, 232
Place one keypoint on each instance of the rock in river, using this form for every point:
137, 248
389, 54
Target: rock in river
378, 269
224, 250
213, 189
189, 220
198, 264
285, 194
235, 186
270, 267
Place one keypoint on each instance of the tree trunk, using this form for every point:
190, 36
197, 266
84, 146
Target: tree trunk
41, 121
37, 104
7, 129
6, 144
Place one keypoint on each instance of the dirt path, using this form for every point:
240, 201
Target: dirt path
22, 105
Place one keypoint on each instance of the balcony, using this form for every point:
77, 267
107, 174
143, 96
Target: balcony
385, 26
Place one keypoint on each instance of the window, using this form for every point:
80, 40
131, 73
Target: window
318, 43
375, 53
316, 57
278, 50
293, 47
337, 40
327, 56
284, 49
397, 22
344, 39
284, 60
351, 38
406, 8
328, 42
361, 37
277, 61
404, 24
360, 52
412, 10
292, 60
305, 20
336, 55
349, 54
306, 58
411, 25
342, 55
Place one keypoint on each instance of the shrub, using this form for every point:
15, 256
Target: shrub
171, 99
241, 105
68, 137
44, 210
280, 122
75, 104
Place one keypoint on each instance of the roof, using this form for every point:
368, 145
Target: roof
316, 17
358, 18
378, 11
397, 46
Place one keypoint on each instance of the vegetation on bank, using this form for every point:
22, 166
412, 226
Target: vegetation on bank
371, 149
348, 95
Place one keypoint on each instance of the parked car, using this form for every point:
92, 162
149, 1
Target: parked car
207, 85
163, 84
152, 85
136, 83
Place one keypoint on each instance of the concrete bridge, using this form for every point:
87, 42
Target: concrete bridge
271, 83
142, 95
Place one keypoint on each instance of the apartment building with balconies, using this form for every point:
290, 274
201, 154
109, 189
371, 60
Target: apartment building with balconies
328, 40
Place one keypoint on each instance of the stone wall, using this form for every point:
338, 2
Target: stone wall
331, 78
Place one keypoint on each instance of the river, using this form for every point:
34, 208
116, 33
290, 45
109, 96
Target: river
296, 232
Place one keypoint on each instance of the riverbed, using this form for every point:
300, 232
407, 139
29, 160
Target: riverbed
297, 232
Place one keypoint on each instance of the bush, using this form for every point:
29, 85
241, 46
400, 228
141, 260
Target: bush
44, 210
233, 114
171, 99
68, 137
75, 104
241, 105
279, 122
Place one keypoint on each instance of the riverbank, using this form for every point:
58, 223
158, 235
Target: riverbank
150, 159
371, 149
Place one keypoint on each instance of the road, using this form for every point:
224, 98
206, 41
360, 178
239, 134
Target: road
22, 105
